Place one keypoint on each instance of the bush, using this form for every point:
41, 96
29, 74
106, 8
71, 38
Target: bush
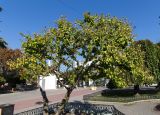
112, 84
2, 80
118, 92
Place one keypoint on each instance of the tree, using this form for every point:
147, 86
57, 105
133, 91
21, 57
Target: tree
158, 57
30, 69
3, 44
118, 59
158, 53
95, 47
6, 55
150, 57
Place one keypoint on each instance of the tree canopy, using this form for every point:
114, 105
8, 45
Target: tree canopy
5, 56
3, 44
150, 57
94, 47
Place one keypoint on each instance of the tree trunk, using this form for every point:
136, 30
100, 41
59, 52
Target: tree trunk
45, 102
136, 89
64, 101
158, 85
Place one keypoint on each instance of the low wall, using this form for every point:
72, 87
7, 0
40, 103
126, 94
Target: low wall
77, 108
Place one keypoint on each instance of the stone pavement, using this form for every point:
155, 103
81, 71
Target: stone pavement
146, 107
32, 99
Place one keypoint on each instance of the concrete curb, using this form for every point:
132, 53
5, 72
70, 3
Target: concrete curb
107, 102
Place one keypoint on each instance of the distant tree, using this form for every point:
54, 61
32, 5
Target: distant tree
3, 44
158, 56
158, 44
151, 58
95, 47
6, 55
158, 52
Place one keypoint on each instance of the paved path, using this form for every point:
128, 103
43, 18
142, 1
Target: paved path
146, 107
30, 99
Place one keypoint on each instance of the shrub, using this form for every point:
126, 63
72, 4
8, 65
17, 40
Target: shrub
112, 84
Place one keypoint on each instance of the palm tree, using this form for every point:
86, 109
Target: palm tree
3, 44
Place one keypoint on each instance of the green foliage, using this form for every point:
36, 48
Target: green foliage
158, 56
2, 80
151, 57
29, 69
94, 47
7, 54
91, 48
110, 42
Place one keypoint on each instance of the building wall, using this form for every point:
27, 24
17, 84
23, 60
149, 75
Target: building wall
48, 82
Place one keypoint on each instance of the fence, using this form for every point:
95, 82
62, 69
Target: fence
77, 109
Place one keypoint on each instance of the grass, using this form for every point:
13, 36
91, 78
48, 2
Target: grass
125, 95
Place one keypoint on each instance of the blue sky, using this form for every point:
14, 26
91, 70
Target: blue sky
32, 16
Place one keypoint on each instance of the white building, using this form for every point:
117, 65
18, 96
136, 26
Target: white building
48, 82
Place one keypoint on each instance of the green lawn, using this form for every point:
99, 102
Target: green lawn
125, 95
